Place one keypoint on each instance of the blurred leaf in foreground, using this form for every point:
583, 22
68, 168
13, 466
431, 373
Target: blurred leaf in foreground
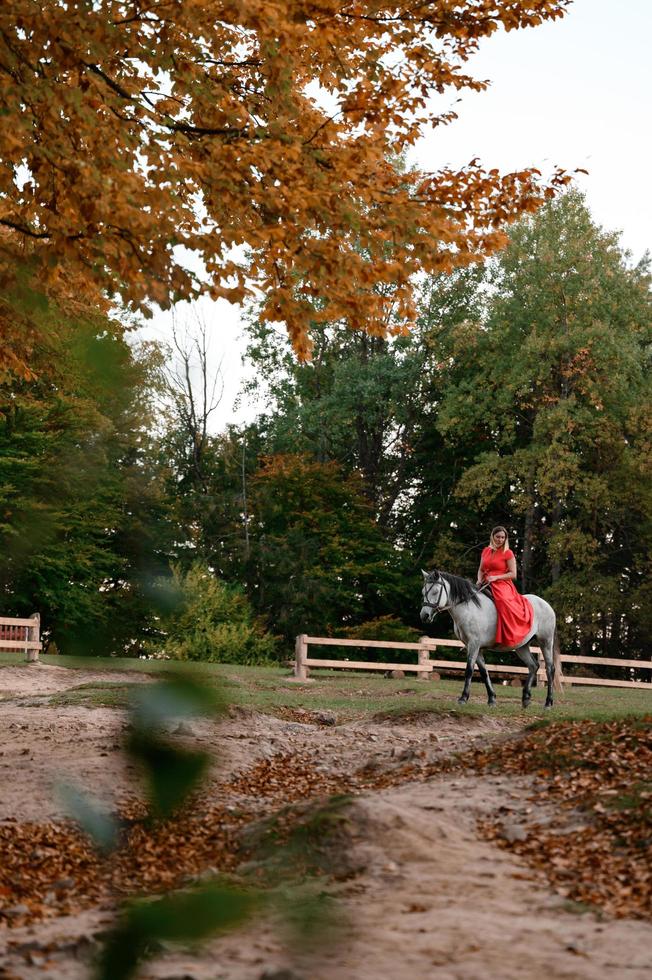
179, 917
171, 771
93, 818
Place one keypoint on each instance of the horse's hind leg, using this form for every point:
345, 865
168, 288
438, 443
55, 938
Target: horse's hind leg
547, 648
530, 662
484, 674
471, 657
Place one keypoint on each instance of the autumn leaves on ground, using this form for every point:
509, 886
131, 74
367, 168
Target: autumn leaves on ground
401, 809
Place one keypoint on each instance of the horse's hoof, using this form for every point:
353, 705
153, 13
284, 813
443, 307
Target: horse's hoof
525, 704
462, 700
492, 703
547, 706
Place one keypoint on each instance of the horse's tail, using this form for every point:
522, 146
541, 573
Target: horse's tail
556, 662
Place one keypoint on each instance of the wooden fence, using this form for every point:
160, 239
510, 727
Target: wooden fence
427, 647
21, 634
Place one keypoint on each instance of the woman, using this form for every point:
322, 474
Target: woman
498, 568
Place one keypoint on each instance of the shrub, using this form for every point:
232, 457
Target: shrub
383, 628
212, 620
388, 628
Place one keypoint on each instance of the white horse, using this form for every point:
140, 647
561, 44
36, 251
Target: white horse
475, 619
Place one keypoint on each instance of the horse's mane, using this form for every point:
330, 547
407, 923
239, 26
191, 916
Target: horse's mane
460, 589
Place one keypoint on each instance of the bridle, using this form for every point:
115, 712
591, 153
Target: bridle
433, 605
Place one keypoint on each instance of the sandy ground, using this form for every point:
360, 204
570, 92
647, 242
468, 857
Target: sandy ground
428, 899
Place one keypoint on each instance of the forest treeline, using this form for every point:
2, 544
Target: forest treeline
521, 397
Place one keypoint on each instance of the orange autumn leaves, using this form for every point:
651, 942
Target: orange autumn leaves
598, 772
255, 134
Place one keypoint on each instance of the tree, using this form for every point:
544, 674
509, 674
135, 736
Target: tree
318, 562
190, 456
212, 520
210, 620
556, 382
193, 392
437, 527
370, 406
84, 527
135, 133
355, 403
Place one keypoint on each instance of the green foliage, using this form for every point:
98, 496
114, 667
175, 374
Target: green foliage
388, 628
180, 917
213, 621
521, 397
96, 822
539, 403
82, 521
318, 558
382, 628
172, 773
207, 497
356, 403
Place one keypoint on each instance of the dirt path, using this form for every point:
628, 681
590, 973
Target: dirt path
427, 899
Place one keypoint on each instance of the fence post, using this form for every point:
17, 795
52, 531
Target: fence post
300, 654
423, 658
33, 636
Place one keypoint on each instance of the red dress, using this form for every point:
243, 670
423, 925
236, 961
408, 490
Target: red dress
515, 613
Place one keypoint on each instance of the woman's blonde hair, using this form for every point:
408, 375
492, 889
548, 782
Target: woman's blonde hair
505, 546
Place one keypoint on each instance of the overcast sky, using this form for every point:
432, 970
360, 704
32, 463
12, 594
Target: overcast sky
576, 92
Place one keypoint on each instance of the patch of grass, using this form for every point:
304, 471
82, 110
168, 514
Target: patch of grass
580, 908
638, 797
12, 658
351, 695
101, 694
306, 838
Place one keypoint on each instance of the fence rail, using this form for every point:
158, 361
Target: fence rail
21, 634
425, 663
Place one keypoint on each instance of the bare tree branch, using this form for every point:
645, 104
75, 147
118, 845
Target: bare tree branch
194, 388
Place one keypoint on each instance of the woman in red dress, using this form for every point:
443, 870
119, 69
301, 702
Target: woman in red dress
498, 567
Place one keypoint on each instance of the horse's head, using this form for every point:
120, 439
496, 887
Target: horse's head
433, 595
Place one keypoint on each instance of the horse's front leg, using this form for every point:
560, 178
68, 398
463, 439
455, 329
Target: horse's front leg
530, 662
484, 674
471, 657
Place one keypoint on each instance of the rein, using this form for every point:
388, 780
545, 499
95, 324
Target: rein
438, 608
